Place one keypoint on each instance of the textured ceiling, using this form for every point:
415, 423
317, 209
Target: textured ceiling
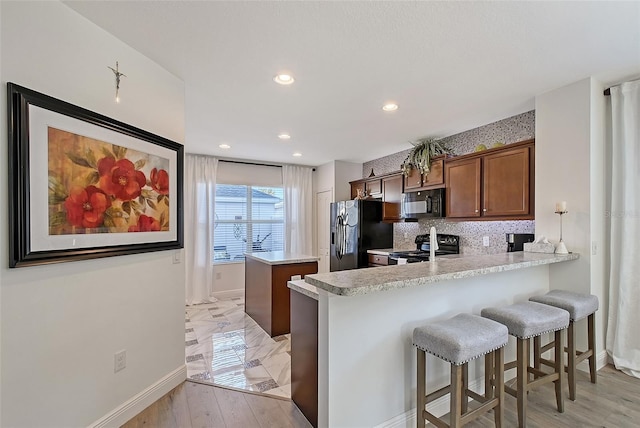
451, 66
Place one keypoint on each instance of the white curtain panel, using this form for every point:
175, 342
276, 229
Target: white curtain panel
298, 209
199, 207
623, 339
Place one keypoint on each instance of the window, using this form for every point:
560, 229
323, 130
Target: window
248, 219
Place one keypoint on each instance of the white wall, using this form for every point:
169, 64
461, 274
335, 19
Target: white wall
570, 167
62, 324
344, 173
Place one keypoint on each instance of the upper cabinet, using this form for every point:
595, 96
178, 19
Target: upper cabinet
387, 188
463, 188
392, 196
432, 180
495, 184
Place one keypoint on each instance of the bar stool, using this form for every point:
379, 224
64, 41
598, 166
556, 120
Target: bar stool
524, 321
579, 306
459, 340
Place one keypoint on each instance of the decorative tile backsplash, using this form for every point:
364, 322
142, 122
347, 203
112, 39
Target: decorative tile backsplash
511, 130
470, 232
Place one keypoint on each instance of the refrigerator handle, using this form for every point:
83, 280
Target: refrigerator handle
333, 238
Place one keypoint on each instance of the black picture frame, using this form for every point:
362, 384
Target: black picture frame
21, 251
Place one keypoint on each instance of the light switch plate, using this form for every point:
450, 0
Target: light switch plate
485, 241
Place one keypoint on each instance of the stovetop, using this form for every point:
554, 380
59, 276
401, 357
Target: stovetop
447, 244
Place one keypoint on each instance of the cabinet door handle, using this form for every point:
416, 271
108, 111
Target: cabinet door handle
476, 210
484, 209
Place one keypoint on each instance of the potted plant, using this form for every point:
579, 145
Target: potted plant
420, 156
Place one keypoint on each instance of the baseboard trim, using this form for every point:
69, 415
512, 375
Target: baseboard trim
127, 410
228, 294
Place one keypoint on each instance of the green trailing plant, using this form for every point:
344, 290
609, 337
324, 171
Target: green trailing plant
420, 155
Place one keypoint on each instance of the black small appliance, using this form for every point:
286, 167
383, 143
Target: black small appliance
516, 241
447, 244
422, 204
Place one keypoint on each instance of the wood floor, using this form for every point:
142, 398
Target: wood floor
193, 404
614, 402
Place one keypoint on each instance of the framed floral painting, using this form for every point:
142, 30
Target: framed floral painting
83, 186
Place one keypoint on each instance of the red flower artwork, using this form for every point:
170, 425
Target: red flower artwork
120, 178
86, 207
160, 181
145, 224
98, 187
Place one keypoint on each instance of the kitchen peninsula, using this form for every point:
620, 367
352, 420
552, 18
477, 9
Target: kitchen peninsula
366, 317
267, 297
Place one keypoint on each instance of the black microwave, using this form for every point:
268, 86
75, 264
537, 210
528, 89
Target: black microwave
423, 204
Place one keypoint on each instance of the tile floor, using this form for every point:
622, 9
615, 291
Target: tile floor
225, 347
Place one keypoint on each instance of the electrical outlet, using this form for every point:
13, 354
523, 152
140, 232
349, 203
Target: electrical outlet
406, 235
485, 241
594, 248
176, 257
119, 360
218, 275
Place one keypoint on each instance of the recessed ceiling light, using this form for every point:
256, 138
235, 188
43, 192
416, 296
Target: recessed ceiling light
284, 79
284, 136
296, 154
224, 146
390, 107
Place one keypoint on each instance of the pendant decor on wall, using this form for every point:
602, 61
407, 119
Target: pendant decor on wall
84, 186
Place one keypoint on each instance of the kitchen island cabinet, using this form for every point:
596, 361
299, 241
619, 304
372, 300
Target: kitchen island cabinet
304, 349
267, 298
366, 317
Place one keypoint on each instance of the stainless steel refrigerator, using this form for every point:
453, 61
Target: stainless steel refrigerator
356, 226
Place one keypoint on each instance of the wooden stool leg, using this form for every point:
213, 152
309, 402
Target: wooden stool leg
465, 386
421, 392
456, 396
489, 374
559, 351
536, 352
571, 360
498, 357
591, 339
522, 380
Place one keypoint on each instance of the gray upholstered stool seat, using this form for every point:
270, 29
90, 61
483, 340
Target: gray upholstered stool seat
524, 321
459, 340
528, 319
579, 306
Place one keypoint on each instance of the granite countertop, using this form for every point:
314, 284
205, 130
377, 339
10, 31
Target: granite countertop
365, 281
303, 287
281, 257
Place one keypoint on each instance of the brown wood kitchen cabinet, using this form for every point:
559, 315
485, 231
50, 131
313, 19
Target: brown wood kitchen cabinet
378, 260
433, 180
391, 196
493, 184
387, 188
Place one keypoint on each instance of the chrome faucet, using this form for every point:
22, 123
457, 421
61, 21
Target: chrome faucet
433, 243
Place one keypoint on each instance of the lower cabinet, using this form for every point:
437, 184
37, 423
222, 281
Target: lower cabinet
304, 355
378, 260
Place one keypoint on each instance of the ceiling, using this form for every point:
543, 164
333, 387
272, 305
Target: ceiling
450, 66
